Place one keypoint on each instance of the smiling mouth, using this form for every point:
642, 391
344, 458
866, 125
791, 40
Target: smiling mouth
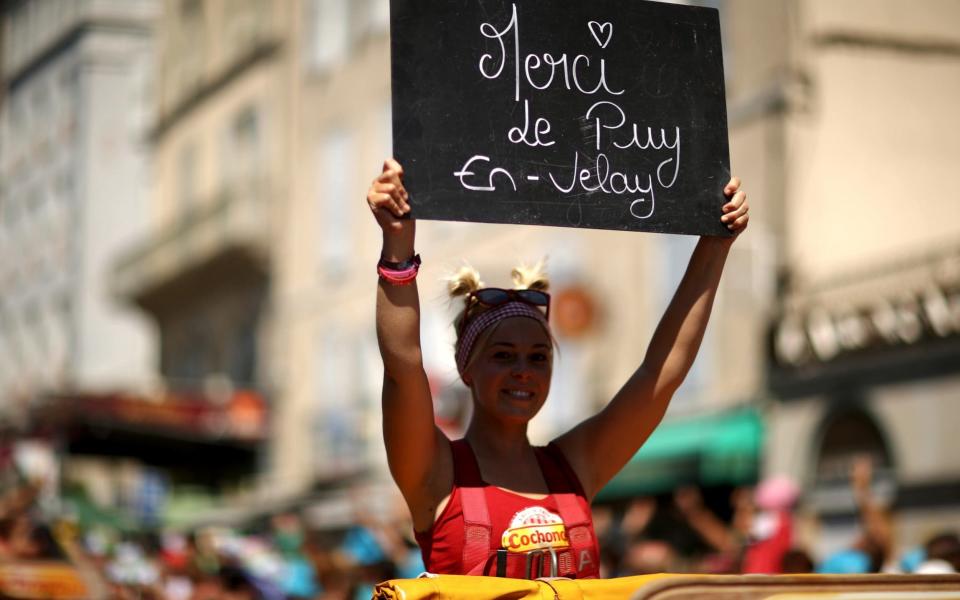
519, 394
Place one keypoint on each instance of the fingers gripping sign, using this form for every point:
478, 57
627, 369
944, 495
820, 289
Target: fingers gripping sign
388, 198
736, 211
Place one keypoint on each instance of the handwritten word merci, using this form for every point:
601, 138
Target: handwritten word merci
615, 137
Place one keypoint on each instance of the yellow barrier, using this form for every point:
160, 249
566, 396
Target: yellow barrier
679, 587
47, 580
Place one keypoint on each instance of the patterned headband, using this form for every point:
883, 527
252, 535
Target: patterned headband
487, 319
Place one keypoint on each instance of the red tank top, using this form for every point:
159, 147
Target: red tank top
485, 530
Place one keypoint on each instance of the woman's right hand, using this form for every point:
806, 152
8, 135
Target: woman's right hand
387, 199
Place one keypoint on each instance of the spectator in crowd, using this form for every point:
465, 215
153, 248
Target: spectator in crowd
796, 561
771, 530
611, 540
298, 578
941, 554
873, 547
645, 555
725, 540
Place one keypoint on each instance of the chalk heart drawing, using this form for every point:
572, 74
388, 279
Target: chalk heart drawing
602, 32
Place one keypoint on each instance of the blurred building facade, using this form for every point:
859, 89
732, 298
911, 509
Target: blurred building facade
205, 271
73, 177
852, 137
225, 270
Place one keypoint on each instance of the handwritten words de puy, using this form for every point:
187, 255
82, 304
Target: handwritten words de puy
603, 122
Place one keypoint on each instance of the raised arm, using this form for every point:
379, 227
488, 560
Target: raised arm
702, 520
875, 520
600, 446
417, 451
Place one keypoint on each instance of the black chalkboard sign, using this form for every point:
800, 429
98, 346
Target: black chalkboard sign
606, 114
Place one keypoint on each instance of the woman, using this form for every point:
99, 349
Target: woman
492, 503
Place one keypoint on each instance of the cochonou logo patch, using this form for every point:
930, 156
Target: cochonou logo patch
534, 528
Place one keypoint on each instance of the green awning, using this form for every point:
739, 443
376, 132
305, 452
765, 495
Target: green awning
89, 515
722, 448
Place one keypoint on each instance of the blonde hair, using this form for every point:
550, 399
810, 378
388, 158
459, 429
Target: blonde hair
467, 280
531, 278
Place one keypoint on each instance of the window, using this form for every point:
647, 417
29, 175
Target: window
65, 315
329, 382
18, 127
68, 92
33, 328
378, 15
243, 353
338, 413
331, 365
5, 367
59, 327
191, 14
14, 346
6, 348
5, 275
40, 106
384, 133
242, 146
849, 435
186, 180
8, 210
246, 22
68, 83
192, 43
334, 202
63, 186
190, 350
329, 34
845, 436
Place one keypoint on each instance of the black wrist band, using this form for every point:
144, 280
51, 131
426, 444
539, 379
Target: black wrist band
402, 265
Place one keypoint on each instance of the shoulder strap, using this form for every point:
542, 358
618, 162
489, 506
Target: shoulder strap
466, 470
570, 502
473, 502
557, 465
566, 491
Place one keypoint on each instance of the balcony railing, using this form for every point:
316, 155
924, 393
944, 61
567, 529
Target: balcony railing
900, 320
238, 219
239, 415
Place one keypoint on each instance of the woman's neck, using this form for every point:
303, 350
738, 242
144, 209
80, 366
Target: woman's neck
499, 443
506, 459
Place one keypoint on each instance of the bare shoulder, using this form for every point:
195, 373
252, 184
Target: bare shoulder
572, 445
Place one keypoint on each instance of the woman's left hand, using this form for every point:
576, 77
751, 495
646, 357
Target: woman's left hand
736, 211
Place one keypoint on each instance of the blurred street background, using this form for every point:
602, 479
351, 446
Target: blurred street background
189, 376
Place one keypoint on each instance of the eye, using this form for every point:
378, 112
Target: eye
540, 357
502, 355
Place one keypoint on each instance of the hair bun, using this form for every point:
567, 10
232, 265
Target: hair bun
464, 281
531, 277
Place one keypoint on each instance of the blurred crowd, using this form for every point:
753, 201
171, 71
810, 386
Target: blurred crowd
277, 559
681, 534
280, 558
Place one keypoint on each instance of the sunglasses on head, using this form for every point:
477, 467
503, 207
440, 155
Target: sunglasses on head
496, 296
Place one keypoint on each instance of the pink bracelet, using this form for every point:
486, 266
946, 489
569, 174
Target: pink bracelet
403, 273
